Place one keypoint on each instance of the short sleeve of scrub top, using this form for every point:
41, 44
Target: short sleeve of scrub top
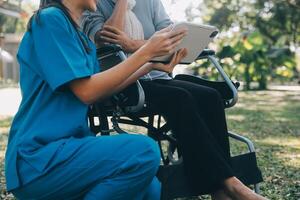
50, 119
58, 54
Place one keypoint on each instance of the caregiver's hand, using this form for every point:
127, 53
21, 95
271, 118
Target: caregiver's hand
177, 57
164, 42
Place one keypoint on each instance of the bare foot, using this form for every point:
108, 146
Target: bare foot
220, 195
238, 191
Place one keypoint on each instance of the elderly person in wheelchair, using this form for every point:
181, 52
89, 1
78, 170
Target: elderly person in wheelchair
194, 112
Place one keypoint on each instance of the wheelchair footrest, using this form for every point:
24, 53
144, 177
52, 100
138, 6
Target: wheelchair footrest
175, 184
246, 169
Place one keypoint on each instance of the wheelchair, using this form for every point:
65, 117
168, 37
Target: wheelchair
130, 108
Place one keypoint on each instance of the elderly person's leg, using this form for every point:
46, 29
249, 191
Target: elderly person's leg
210, 106
205, 163
107, 168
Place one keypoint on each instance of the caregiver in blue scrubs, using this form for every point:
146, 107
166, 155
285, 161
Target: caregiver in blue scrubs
51, 152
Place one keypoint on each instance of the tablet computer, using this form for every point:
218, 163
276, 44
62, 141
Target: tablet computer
197, 39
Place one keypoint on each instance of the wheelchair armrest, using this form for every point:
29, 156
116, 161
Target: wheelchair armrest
141, 100
230, 84
108, 49
210, 55
111, 55
205, 53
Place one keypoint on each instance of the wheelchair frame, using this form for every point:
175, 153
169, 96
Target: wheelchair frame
159, 132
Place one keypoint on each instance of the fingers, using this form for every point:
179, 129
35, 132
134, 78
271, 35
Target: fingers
177, 38
110, 40
111, 35
166, 30
173, 46
175, 33
111, 29
178, 56
183, 52
165, 41
174, 58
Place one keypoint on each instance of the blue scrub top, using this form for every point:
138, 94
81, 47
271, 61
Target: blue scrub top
50, 119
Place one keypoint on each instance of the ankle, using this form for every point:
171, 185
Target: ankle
232, 184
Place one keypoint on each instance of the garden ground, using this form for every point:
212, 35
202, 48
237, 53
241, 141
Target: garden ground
270, 118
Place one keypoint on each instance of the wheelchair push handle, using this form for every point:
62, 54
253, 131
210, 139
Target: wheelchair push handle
230, 84
210, 55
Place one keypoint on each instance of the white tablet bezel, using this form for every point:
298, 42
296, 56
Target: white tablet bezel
197, 39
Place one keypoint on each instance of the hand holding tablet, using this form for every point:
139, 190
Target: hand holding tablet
196, 40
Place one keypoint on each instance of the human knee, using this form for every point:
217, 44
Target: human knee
148, 151
183, 96
212, 95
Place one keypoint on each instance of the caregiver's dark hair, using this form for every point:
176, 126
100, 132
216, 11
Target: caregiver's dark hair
58, 4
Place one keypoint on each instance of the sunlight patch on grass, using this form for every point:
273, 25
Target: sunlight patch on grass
238, 118
282, 141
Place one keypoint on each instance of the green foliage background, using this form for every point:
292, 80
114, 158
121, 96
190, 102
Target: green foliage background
258, 39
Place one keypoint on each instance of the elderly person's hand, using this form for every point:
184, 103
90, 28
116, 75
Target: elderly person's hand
115, 36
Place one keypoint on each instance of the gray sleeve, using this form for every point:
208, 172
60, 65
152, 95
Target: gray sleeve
92, 22
160, 17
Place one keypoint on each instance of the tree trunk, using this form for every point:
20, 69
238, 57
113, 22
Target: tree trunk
247, 78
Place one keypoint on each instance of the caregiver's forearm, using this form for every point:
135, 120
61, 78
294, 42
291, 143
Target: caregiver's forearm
136, 44
135, 76
104, 84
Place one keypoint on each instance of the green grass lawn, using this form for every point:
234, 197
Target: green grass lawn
271, 119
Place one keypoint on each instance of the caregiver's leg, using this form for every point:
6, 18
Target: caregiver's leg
122, 166
153, 192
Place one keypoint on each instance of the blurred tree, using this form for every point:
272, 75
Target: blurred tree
279, 21
2, 22
258, 39
16, 23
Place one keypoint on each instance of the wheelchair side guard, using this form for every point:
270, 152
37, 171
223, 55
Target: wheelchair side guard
175, 184
245, 168
257, 173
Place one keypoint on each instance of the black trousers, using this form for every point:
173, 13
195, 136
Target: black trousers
197, 118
